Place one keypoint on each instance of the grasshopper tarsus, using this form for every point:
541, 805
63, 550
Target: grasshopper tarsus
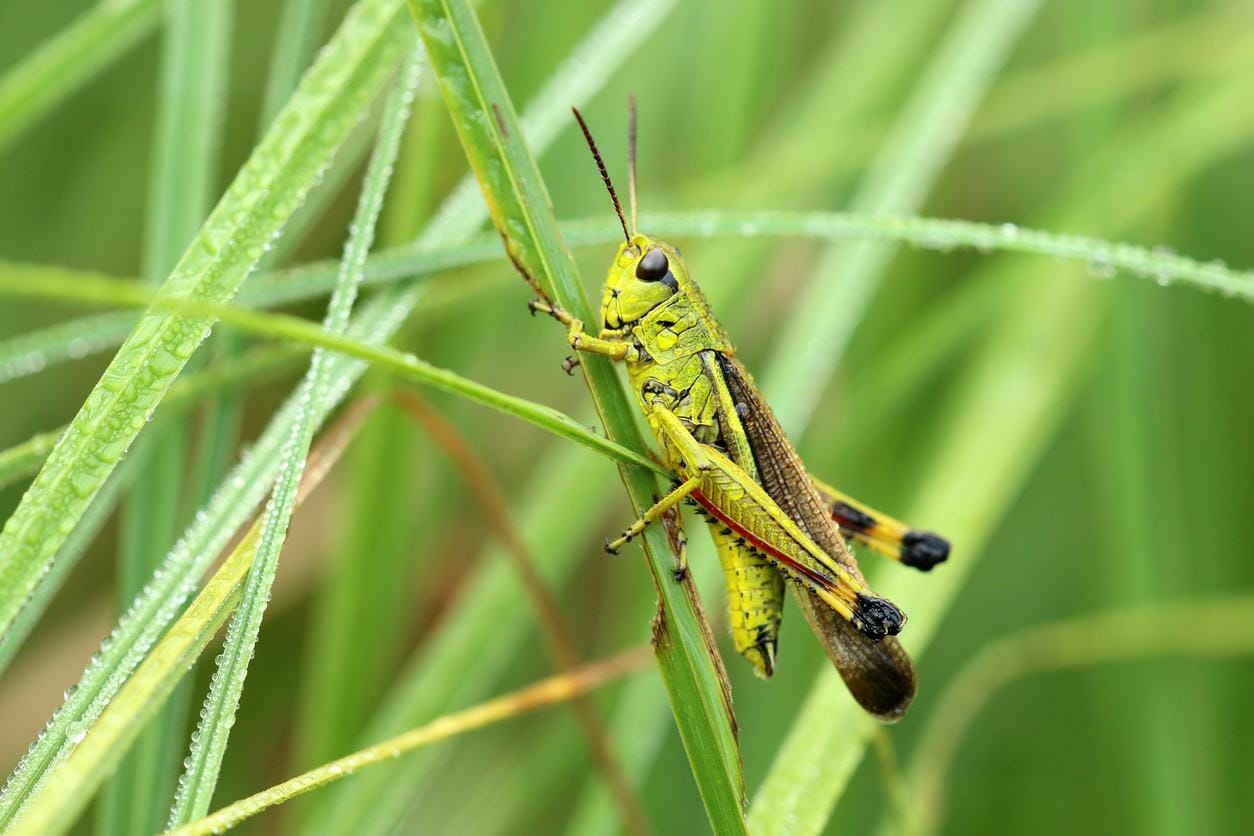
680, 573
570, 364
608, 545
922, 550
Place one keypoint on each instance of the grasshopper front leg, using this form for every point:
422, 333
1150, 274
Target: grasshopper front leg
609, 344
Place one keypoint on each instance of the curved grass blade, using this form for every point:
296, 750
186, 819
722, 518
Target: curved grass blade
72, 57
482, 112
404, 365
1224, 628
265, 193
547, 692
281, 170
33, 352
200, 776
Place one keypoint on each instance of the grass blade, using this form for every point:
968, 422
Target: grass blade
195, 790
300, 31
556, 689
241, 492
921, 142
55, 804
69, 59
1021, 353
1225, 629
282, 169
34, 352
481, 110
98, 513
189, 124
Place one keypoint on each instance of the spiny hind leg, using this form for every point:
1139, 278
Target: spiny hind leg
653, 514
780, 537
881, 533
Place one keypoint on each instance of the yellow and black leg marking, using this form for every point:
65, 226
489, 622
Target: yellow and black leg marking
654, 514
882, 534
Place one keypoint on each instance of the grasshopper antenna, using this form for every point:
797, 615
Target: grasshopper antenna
631, 157
605, 175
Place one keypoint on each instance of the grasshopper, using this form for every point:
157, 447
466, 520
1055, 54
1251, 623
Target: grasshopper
732, 462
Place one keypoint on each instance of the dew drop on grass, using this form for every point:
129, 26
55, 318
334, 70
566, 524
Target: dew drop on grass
1101, 268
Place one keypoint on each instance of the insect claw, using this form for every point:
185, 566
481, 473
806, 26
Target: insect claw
923, 550
608, 545
679, 573
570, 364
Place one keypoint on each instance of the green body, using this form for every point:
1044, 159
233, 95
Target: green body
770, 521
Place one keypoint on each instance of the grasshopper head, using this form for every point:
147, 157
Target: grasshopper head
645, 273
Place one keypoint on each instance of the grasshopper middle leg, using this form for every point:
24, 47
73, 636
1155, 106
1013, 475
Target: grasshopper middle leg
654, 514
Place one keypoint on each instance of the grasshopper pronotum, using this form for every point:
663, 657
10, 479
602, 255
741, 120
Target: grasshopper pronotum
731, 460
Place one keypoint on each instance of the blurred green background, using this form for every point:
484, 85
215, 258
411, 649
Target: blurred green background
1130, 121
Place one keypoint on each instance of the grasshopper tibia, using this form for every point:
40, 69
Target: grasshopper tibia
877, 618
889, 537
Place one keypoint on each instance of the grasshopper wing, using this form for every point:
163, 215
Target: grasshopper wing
878, 673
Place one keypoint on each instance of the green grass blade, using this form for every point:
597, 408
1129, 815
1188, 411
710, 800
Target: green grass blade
241, 492
1043, 336
69, 59
55, 804
300, 32
482, 112
32, 352
200, 776
921, 142
282, 168
490, 621
405, 365
1225, 629
22, 460
189, 123
98, 513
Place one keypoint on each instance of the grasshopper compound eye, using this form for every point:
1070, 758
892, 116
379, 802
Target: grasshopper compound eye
653, 266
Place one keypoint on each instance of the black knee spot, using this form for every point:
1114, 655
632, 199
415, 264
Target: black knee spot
877, 617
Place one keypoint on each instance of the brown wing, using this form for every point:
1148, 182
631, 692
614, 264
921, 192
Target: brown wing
878, 673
